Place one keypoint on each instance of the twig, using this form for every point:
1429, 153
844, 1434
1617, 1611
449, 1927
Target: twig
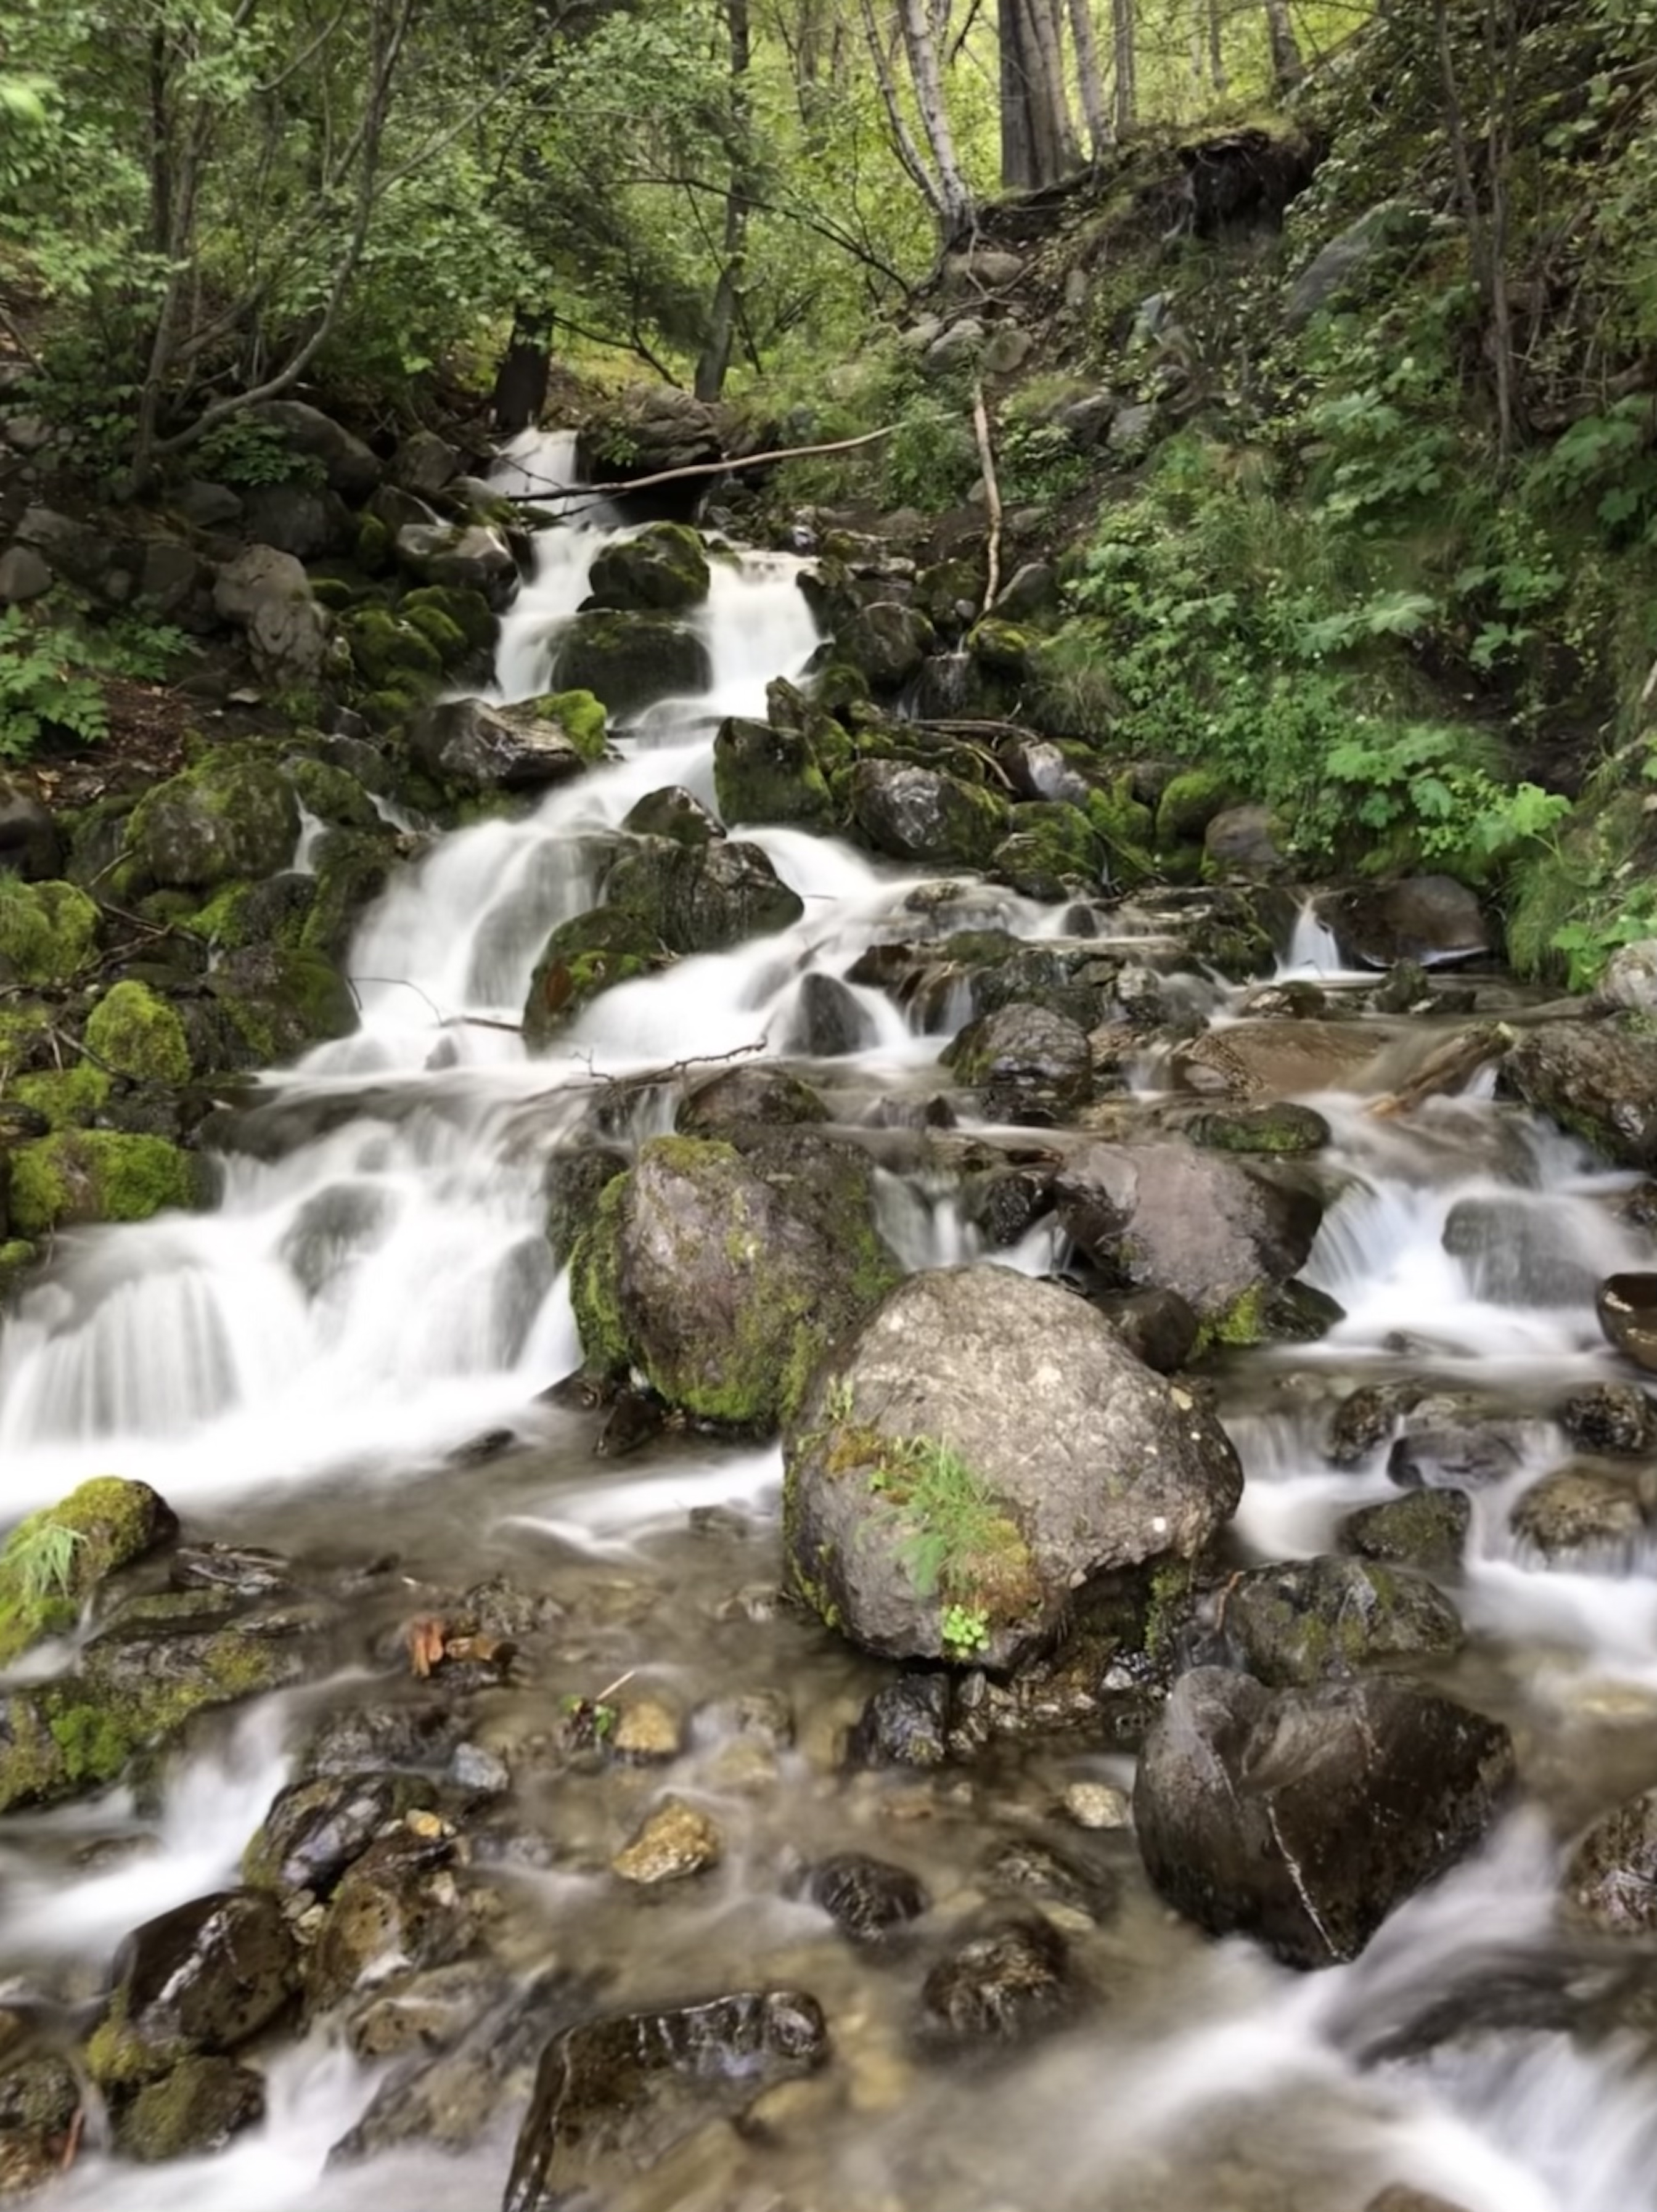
991, 496
62, 1038
443, 1021
699, 468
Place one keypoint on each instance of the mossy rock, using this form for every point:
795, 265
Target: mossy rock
65, 1097
763, 774
387, 651
1127, 828
191, 2112
17, 1260
25, 1040
47, 931
662, 570
702, 898
580, 716
1053, 851
447, 639
460, 605
1003, 647
1282, 1128
281, 1000
1190, 804
82, 1175
56, 1558
587, 955
630, 661
135, 1034
1271, 1313
228, 817
331, 794
353, 868
375, 555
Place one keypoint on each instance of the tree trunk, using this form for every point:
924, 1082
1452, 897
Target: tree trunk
1217, 76
1124, 60
1058, 135
956, 201
1097, 115
713, 365
909, 153
1018, 153
1287, 68
521, 379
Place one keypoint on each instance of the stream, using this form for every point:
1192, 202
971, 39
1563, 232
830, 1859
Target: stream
300, 1368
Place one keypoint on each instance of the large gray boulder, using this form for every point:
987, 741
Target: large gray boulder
267, 594
466, 741
1303, 1817
918, 814
348, 465
1596, 1078
983, 1447
701, 898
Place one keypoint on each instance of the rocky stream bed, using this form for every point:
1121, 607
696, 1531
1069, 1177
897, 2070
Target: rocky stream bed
981, 1542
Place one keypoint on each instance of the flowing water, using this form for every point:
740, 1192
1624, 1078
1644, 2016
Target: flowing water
297, 1368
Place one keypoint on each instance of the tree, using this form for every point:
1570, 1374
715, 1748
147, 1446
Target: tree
716, 356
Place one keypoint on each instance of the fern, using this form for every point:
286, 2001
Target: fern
41, 689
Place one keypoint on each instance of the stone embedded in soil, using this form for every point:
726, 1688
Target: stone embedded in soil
1611, 1877
1320, 1620
1005, 1986
983, 1446
676, 1840
198, 1980
1581, 1507
868, 1899
1428, 1529
1303, 1817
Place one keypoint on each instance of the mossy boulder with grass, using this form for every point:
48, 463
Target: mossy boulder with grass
630, 661
230, 819
702, 898
47, 931
54, 1560
64, 1098
587, 955
1052, 851
763, 774
980, 1451
724, 1276
135, 1034
662, 570
80, 1176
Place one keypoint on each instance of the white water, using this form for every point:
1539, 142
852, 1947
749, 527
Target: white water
382, 1293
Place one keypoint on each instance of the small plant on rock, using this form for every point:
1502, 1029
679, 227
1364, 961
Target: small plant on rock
41, 1557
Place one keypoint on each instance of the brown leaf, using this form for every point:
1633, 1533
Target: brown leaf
426, 1639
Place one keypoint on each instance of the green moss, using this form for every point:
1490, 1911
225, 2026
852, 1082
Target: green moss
1126, 827
136, 1034
23, 1033
1052, 850
460, 605
1003, 647
1189, 805
281, 998
222, 921
447, 639
1167, 1607
67, 1096
663, 569
47, 931
374, 546
387, 651
331, 794
17, 1257
232, 817
580, 716
99, 1527
334, 593
595, 1281
97, 1175
584, 956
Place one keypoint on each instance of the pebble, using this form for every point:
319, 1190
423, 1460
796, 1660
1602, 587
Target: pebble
675, 1840
1096, 1805
646, 1729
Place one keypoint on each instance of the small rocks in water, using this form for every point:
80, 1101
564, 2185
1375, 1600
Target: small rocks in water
1583, 1508
316, 1829
1096, 1805
675, 1840
867, 1899
1023, 1866
370, 1738
1314, 1620
648, 1729
612, 2095
200, 1980
1452, 1443
1428, 1529
245, 1569
1303, 1817
1614, 1418
904, 1723
194, 2111
479, 1772
1005, 1986
399, 1906
1627, 1307
1612, 1878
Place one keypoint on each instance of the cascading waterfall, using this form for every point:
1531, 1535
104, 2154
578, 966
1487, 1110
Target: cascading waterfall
380, 1292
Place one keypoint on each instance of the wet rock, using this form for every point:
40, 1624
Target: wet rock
763, 774
1051, 852
316, 1830
983, 1446
412, 1739
1518, 1252
398, 1906
576, 1178
1428, 1529
661, 570
1006, 1986
1612, 1417
471, 557
1023, 1867
276, 1002
1432, 920
1611, 1877
760, 1096
905, 1723
1452, 1441
675, 1840
723, 1277
919, 814
192, 2113
614, 2094
1007, 1203
1268, 1058
428, 2011
1627, 1309
630, 661
1320, 1620
196, 1982
827, 1022
671, 812
1302, 1817
648, 1729
868, 1900
885, 641
587, 955
1030, 1064
1581, 1507
1283, 1130
469, 743
1368, 1417
701, 898
227, 819
1159, 1326
1597, 1079
1169, 1216
1098, 1805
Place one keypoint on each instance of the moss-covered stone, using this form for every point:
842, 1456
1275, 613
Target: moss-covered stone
373, 547
1281, 1128
1271, 1313
191, 2112
135, 1034
763, 774
25, 1039
460, 605
56, 1558
702, 898
1053, 852
230, 816
99, 1175
47, 931
1003, 647
630, 661
446, 638
580, 716
386, 651
66, 1097
353, 867
331, 794
1189, 805
662, 570
17, 1257
282, 1000
585, 955
1126, 827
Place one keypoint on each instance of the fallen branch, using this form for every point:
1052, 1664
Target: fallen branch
698, 469
1446, 1068
443, 1021
992, 496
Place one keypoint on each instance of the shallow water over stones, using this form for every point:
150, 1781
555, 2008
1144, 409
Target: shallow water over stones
522, 1653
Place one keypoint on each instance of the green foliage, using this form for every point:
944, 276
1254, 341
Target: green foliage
964, 1631
247, 450
39, 1558
958, 1542
41, 692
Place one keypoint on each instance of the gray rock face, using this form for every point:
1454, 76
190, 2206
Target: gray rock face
983, 1447
474, 558
1321, 1619
1028, 1064
1596, 1079
701, 898
1303, 1817
349, 466
1583, 1508
918, 814
1339, 265
266, 593
1432, 920
200, 1980
1630, 977
23, 575
1170, 1216
466, 741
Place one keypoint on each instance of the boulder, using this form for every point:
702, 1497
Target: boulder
763, 774
1432, 920
1006, 1984
613, 2094
196, 1982
425, 463
584, 956
1613, 1418
1169, 1216
1428, 1529
980, 1449
1028, 1064
630, 661
759, 1096
1340, 264
469, 743
56, 1558
1051, 853
662, 570
277, 1004
826, 1021
48, 931
647, 428
701, 898
267, 594
1611, 1877
1450, 1440
1629, 978
1320, 1620
868, 1900
348, 465
723, 1277
1245, 841
1583, 1508
918, 814
1627, 1308
1302, 1817
1518, 1250
230, 817
317, 1829
1598, 1079
24, 576
398, 1906
298, 519
1158, 1327
673, 813
472, 558
191, 2112
885, 641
